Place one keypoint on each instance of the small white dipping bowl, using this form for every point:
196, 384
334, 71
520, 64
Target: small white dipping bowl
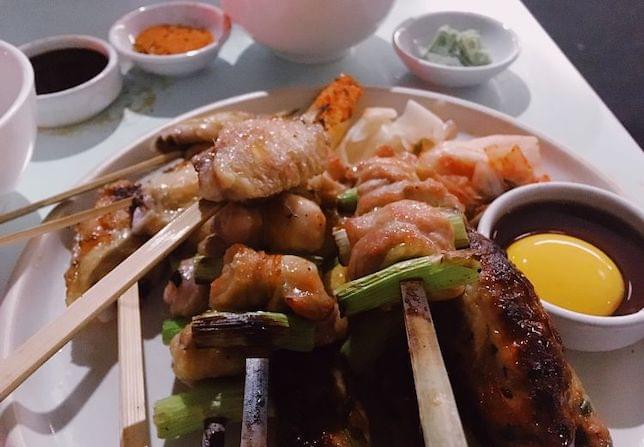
578, 331
85, 100
17, 115
412, 38
309, 31
193, 14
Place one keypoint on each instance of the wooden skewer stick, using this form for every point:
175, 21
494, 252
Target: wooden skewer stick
439, 417
134, 423
104, 180
54, 335
254, 432
63, 222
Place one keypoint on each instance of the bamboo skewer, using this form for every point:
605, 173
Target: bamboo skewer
54, 335
254, 431
63, 222
103, 180
134, 423
439, 417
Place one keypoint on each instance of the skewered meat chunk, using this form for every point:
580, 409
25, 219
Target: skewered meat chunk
287, 223
428, 191
261, 157
183, 295
506, 362
162, 195
204, 129
102, 242
399, 230
252, 280
190, 363
384, 168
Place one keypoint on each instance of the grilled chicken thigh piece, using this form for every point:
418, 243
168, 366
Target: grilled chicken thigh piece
183, 295
261, 157
252, 280
101, 243
506, 362
399, 230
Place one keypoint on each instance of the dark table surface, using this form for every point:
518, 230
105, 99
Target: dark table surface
604, 39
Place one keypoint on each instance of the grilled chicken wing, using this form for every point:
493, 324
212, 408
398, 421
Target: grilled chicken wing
252, 280
204, 129
505, 360
399, 230
261, 157
101, 243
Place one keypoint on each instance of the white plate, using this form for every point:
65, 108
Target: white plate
73, 398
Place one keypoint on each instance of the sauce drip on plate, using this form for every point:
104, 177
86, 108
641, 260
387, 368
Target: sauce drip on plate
620, 244
59, 70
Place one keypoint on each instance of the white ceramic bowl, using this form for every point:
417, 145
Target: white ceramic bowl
199, 15
309, 31
414, 35
578, 331
17, 114
83, 101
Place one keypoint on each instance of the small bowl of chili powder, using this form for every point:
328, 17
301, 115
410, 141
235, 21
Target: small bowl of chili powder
171, 39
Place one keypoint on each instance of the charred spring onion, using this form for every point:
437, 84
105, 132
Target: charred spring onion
257, 329
438, 272
348, 200
172, 327
183, 413
206, 268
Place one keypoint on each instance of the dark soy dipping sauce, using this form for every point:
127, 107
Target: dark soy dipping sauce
622, 243
63, 69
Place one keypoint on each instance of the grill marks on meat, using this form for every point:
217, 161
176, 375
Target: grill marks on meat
506, 361
252, 280
399, 230
101, 243
261, 157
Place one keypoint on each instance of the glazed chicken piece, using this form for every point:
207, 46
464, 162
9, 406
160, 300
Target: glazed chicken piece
261, 157
506, 362
183, 295
479, 170
252, 280
204, 129
384, 168
102, 242
162, 195
397, 231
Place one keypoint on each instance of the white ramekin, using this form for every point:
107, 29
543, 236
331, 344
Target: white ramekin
578, 331
17, 115
83, 101
187, 13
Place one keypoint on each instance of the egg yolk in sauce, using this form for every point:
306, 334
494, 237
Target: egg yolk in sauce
569, 272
